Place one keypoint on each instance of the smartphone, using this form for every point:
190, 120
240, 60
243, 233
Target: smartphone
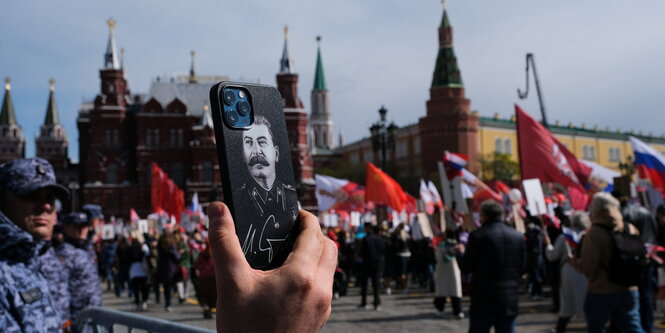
258, 183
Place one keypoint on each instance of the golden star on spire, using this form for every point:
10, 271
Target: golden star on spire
7, 85
286, 31
51, 83
111, 23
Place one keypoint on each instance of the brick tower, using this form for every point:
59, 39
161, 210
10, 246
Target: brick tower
296, 125
449, 123
52, 143
12, 140
107, 142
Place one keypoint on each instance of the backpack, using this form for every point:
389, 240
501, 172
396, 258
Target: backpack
629, 259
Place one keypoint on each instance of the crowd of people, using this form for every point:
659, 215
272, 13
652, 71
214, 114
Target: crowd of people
576, 253
603, 265
164, 263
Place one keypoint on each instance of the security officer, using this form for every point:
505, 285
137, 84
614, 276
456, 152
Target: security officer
27, 215
95, 217
84, 286
57, 276
265, 202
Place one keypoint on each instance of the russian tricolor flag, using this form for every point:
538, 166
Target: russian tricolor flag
454, 164
650, 163
572, 237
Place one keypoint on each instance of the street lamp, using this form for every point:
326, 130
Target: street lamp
383, 136
73, 187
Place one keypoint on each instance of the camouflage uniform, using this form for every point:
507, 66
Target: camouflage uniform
26, 304
57, 278
84, 287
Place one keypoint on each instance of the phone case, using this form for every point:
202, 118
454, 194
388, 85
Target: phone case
265, 218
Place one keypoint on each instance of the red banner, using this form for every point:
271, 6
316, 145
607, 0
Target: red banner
382, 189
165, 194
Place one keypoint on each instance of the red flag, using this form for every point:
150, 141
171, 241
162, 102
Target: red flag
382, 189
165, 194
541, 155
156, 188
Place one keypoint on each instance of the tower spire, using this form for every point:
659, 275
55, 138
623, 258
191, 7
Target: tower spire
7, 114
206, 118
319, 76
122, 58
192, 74
52, 118
111, 56
446, 71
286, 63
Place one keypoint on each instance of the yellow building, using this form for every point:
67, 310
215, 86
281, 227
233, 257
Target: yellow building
602, 146
497, 135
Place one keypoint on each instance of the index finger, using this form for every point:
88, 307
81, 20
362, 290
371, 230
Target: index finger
308, 246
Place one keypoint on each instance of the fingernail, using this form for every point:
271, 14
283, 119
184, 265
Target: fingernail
215, 211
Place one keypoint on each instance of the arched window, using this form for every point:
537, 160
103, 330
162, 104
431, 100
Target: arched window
148, 137
111, 174
172, 138
181, 138
207, 172
156, 139
498, 145
507, 148
585, 152
176, 174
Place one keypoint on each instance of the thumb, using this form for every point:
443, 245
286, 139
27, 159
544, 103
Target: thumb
226, 251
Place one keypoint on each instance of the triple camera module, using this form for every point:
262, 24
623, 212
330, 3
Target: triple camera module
237, 107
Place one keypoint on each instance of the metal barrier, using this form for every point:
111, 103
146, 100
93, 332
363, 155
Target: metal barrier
100, 320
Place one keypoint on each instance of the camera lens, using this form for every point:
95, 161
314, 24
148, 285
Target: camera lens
244, 108
232, 117
229, 97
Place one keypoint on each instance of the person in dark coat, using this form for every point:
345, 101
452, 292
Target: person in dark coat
373, 248
167, 266
495, 256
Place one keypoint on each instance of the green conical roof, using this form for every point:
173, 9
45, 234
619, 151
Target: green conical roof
446, 71
7, 115
51, 109
445, 23
319, 76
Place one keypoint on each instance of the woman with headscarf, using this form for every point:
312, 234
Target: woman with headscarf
573, 283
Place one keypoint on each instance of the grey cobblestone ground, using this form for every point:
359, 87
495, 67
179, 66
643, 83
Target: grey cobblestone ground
410, 312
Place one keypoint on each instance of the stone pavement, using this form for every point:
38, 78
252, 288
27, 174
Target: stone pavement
400, 312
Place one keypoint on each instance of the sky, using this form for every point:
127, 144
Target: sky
599, 62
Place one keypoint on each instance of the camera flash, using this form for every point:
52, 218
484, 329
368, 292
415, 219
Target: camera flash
241, 94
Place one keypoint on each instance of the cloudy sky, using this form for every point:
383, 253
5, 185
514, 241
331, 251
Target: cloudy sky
600, 62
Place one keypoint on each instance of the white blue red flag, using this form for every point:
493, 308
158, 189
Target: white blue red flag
454, 164
572, 237
650, 163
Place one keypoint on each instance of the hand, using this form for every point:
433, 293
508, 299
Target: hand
295, 297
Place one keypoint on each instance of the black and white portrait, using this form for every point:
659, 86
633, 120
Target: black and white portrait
264, 200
